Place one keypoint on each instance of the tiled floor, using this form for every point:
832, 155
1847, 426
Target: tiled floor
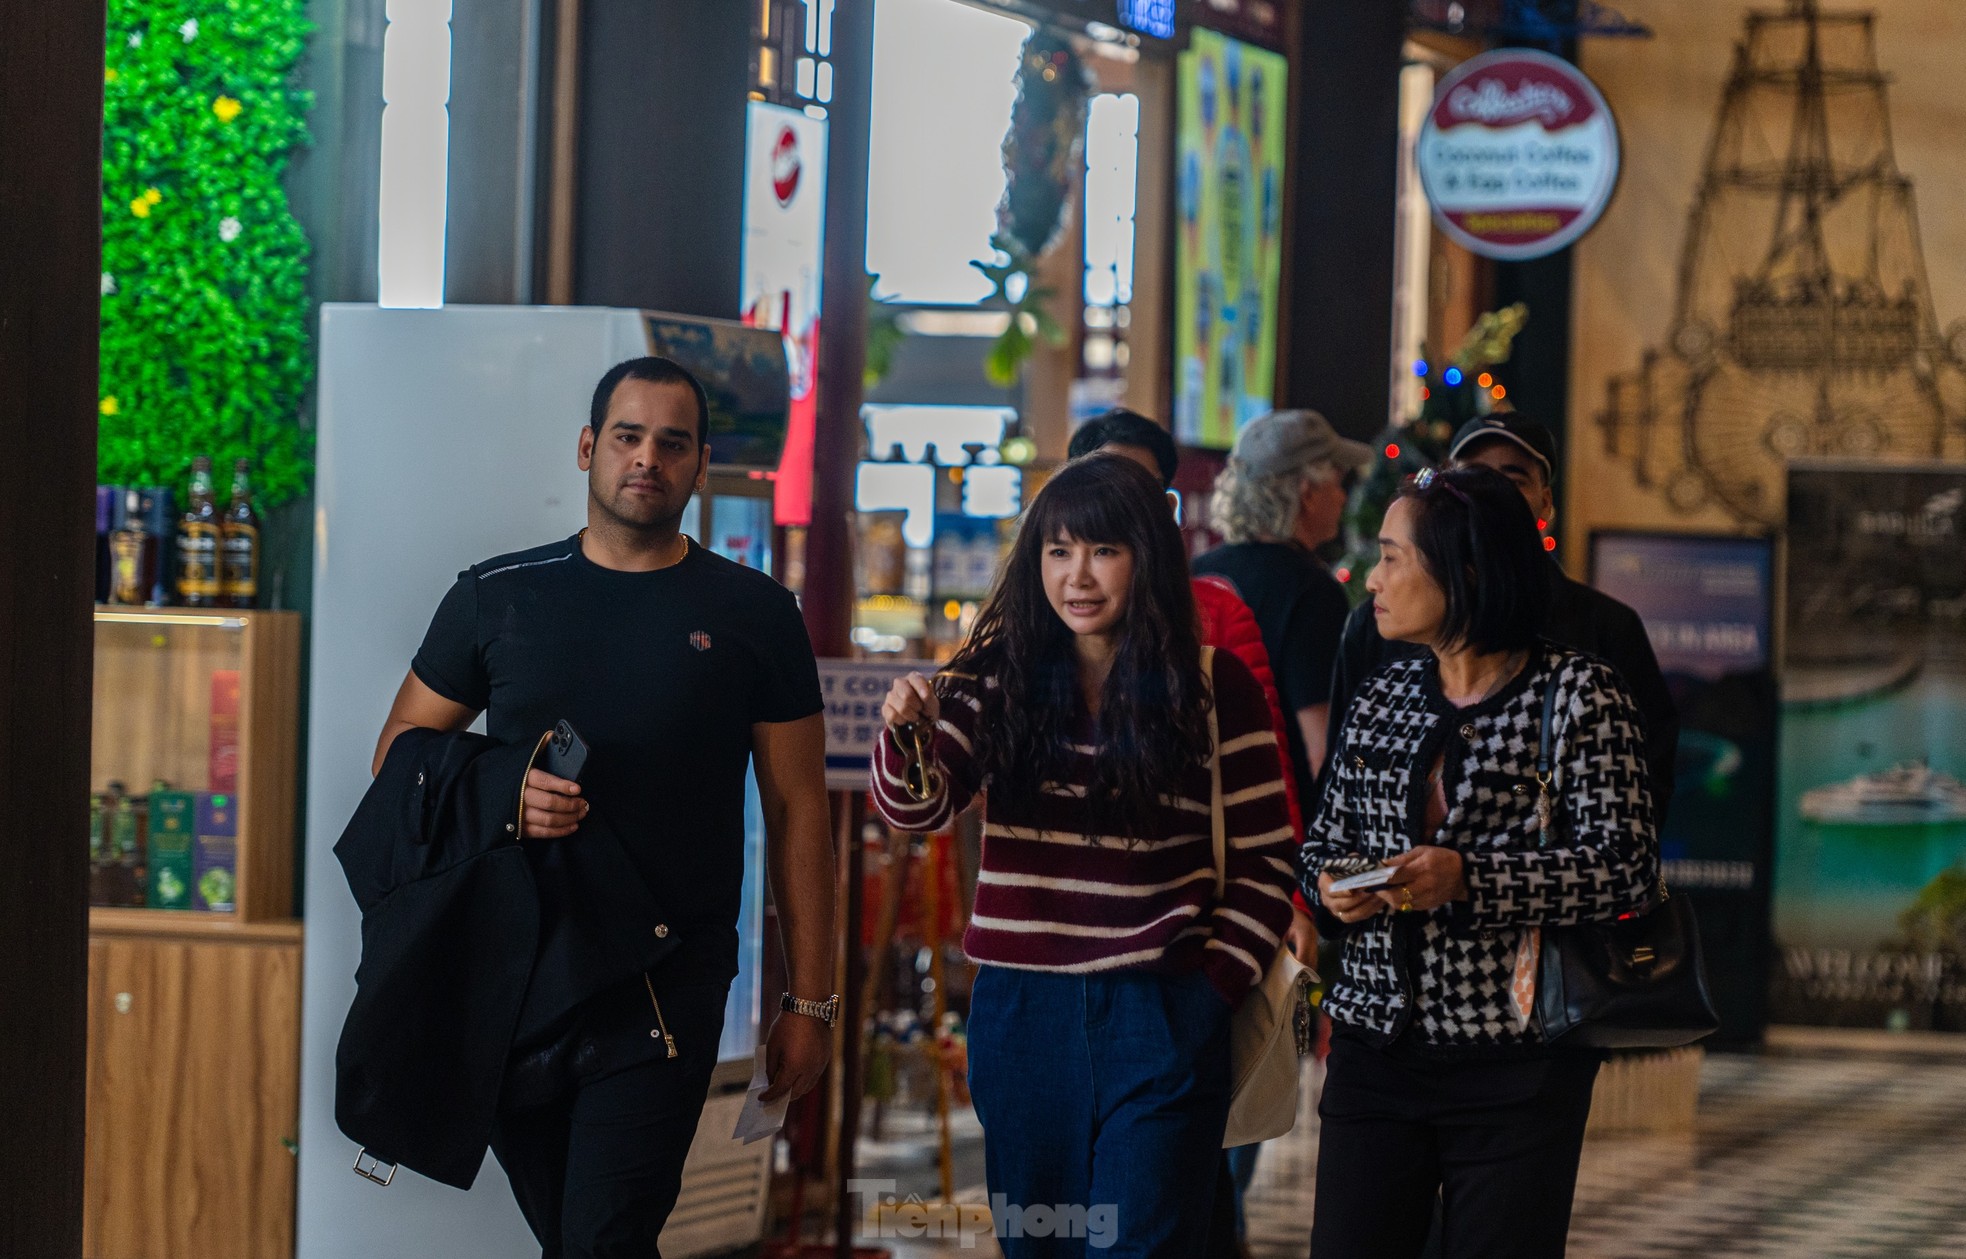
1802, 1157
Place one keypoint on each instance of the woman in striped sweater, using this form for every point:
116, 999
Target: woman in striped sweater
1108, 967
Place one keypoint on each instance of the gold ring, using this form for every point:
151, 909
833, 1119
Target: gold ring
1405, 899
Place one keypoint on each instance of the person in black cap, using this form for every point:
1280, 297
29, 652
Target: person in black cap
1581, 617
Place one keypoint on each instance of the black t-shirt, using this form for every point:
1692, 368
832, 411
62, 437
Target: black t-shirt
663, 674
1300, 609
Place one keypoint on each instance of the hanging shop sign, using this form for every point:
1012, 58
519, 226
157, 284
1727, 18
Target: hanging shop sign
853, 691
784, 217
1519, 154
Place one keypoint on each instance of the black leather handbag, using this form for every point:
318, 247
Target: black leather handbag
1638, 982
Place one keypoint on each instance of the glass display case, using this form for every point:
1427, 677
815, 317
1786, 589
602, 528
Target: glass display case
193, 764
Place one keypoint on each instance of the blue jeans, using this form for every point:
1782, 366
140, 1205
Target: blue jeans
1103, 1099
1242, 1170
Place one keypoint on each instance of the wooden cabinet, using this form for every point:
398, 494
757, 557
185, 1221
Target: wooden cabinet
194, 1015
207, 701
193, 1093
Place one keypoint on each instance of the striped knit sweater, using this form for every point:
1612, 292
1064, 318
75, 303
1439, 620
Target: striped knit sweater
1050, 898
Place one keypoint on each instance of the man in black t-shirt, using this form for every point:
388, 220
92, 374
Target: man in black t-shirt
679, 669
1281, 496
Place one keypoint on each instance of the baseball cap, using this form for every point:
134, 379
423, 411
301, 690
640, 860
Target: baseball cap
1509, 426
1283, 442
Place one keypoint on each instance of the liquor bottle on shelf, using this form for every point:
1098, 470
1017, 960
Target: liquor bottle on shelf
239, 545
98, 849
105, 524
198, 541
127, 544
159, 550
123, 875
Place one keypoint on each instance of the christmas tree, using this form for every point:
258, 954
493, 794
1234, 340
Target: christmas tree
1454, 392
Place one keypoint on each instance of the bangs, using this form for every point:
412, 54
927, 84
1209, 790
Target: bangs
1072, 507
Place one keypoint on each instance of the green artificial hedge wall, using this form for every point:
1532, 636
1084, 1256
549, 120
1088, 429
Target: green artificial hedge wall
204, 267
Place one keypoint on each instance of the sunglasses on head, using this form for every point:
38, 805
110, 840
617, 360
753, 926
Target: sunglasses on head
1425, 479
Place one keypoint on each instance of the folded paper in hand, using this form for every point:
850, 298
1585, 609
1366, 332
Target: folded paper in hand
759, 1119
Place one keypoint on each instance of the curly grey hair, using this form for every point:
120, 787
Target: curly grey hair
1246, 508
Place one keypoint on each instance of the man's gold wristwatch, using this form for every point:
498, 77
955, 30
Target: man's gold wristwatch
825, 1011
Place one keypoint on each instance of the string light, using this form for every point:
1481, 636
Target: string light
1343, 574
1484, 380
1425, 393
1549, 544
1452, 376
1498, 393
1392, 450
1419, 367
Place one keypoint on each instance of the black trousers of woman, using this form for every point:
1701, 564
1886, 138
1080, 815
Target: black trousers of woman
1497, 1142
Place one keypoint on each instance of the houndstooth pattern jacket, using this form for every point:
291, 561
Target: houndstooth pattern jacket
1446, 974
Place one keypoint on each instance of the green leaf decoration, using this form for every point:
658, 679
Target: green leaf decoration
204, 291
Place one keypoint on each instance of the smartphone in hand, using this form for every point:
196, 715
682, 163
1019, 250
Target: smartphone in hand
566, 753
1374, 880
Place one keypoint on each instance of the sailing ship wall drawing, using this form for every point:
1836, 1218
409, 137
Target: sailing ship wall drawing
1803, 323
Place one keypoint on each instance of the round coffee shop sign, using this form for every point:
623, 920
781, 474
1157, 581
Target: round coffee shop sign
1518, 155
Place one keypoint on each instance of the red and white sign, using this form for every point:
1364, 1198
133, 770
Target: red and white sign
1519, 154
785, 166
784, 221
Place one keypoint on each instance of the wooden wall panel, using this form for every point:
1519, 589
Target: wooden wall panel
193, 1091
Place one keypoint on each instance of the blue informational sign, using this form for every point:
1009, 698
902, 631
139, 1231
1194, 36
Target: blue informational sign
1707, 603
853, 691
1149, 17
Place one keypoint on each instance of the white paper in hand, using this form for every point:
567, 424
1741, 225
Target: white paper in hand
759, 1119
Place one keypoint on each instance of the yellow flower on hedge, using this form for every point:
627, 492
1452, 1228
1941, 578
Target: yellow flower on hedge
140, 208
109, 405
152, 195
109, 74
226, 108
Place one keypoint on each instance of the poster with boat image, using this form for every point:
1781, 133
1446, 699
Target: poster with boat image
1870, 884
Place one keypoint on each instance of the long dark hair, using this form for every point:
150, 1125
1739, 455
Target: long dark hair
1153, 710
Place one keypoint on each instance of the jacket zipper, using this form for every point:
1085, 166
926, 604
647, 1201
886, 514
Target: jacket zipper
539, 747
661, 1029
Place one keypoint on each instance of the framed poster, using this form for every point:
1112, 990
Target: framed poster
1870, 890
1229, 173
1708, 606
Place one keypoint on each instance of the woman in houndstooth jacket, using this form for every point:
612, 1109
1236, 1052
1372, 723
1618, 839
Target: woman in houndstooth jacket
1439, 1079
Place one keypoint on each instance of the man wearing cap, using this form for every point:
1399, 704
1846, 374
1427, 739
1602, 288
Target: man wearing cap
1581, 618
1280, 497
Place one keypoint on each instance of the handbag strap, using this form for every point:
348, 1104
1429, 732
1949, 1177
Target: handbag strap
1215, 819
1544, 755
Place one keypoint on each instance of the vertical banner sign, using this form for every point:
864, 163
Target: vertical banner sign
1229, 158
1870, 889
1519, 154
784, 214
1707, 604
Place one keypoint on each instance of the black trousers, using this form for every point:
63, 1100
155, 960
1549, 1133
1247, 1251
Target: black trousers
1496, 1142
597, 1166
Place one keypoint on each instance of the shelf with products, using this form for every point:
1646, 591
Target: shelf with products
193, 767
